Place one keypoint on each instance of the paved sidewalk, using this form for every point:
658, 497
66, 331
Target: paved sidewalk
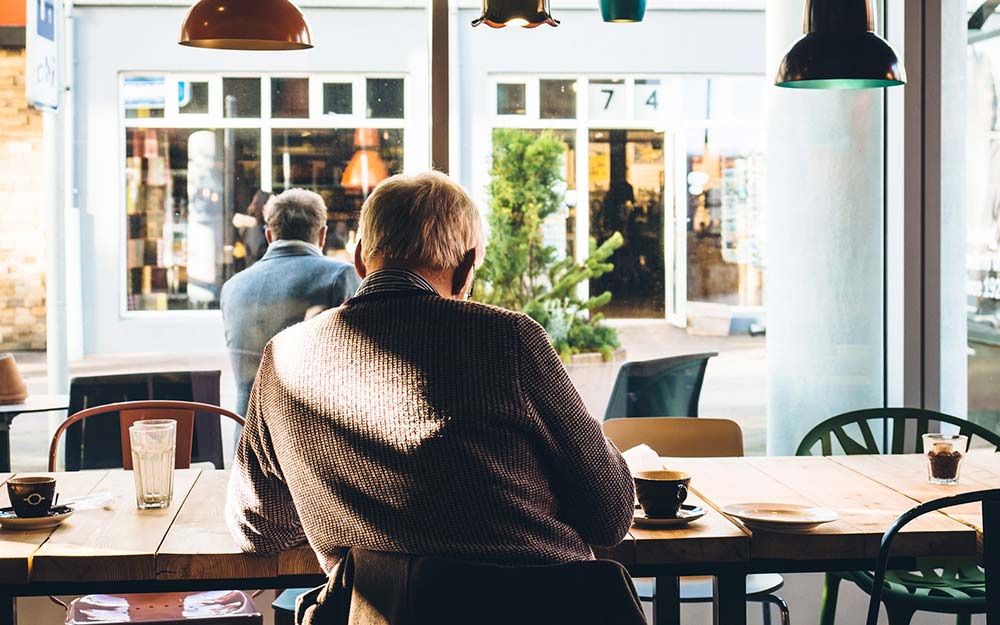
735, 382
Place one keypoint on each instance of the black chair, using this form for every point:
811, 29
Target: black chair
990, 500
665, 387
97, 444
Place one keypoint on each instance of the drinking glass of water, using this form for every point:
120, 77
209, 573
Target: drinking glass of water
153, 448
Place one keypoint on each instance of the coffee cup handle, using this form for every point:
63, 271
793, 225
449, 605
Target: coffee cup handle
682, 492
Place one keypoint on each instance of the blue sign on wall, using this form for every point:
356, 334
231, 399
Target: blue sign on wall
46, 19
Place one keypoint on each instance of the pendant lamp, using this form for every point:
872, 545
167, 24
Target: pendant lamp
840, 50
623, 11
246, 25
526, 13
366, 168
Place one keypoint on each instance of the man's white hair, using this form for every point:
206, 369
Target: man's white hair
424, 220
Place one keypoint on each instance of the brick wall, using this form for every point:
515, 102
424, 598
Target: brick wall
22, 212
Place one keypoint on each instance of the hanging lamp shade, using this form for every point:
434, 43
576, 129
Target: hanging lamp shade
526, 13
246, 25
366, 168
840, 50
623, 11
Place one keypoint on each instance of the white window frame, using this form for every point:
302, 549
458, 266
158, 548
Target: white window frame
216, 120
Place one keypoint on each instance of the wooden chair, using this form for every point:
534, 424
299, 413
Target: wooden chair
682, 437
230, 607
952, 587
653, 388
990, 500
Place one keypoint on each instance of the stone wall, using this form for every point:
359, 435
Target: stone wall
22, 212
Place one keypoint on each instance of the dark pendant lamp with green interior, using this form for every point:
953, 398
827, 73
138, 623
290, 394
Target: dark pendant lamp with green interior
840, 50
623, 11
526, 13
246, 25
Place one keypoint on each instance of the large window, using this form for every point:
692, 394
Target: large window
676, 166
202, 152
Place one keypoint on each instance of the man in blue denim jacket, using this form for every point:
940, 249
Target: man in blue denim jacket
291, 280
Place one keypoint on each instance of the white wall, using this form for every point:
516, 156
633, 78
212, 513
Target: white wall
110, 40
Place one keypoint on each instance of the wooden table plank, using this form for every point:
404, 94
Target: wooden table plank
199, 546
907, 474
868, 506
724, 481
111, 545
712, 538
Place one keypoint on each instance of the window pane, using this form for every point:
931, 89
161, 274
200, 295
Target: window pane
182, 188
192, 98
511, 99
144, 96
338, 98
982, 232
606, 99
328, 161
557, 99
289, 97
241, 97
385, 98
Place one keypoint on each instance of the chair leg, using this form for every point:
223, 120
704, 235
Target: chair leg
899, 614
828, 605
767, 601
765, 613
963, 619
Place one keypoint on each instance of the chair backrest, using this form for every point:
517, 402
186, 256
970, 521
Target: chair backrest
885, 431
377, 588
654, 388
131, 411
990, 500
97, 445
679, 437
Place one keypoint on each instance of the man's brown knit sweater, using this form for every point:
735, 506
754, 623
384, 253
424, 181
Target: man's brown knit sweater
407, 422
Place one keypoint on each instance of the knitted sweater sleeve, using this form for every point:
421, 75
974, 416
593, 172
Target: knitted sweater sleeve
260, 512
593, 484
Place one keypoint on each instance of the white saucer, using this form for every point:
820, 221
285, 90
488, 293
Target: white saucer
685, 515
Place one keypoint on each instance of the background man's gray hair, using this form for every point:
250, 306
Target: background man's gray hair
295, 214
425, 220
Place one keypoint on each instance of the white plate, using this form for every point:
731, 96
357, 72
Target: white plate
780, 517
10, 521
685, 515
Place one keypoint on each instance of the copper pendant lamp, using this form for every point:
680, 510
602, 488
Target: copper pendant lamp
526, 13
840, 50
366, 168
246, 25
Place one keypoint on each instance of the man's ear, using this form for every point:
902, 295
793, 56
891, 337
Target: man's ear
268, 236
321, 239
359, 264
462, 272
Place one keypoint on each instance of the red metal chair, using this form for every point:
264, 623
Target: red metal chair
228, 607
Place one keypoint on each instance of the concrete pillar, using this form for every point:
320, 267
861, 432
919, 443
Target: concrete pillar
824, 285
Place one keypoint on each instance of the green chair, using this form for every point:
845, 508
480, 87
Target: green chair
946, 586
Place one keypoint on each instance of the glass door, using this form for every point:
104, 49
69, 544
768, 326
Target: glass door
627, 182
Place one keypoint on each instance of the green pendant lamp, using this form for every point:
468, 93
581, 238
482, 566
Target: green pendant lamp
246, 25
840, 50
526, 13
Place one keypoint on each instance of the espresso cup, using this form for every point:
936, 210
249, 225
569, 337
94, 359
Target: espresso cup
31, 497
661, 493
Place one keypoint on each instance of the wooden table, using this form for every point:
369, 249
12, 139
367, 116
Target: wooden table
187, 546
34, 403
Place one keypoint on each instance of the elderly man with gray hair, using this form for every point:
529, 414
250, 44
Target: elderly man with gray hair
291, 279
413, 421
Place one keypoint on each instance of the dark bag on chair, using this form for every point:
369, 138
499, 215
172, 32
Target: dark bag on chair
374, 588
